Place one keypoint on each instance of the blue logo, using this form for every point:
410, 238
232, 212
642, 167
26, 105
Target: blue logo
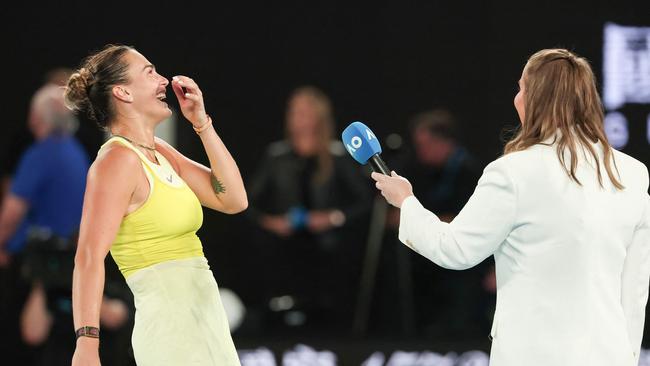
360, 142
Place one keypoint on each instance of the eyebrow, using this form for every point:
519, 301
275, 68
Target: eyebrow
150, 65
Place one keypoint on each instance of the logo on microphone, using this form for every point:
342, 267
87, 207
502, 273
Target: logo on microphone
356, 141
360, 142
363, 145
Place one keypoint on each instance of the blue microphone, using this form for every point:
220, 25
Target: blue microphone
363, 145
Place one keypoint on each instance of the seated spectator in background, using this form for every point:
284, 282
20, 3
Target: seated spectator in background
443, 174
312, 202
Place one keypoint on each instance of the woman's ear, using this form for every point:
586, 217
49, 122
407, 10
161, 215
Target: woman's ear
122, 94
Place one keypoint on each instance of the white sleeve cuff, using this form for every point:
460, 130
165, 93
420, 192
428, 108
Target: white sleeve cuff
410, 218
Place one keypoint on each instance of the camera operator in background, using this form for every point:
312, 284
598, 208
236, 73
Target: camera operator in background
47, 188
46, 318
39, 219
443, 175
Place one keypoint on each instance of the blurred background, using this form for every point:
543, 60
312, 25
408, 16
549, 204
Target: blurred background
312, 273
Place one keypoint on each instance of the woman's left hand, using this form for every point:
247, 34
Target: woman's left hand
394, 188
190, 100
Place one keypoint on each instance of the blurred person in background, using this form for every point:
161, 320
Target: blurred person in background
312, 202
47, 314
443, 173
567, 219
45, 194
143, 202
19, 139
45, 190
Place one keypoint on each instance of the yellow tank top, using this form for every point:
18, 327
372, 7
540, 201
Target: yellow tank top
164, 227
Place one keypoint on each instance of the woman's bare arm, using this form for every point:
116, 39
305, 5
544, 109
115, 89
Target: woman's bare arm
220, 187
110, 186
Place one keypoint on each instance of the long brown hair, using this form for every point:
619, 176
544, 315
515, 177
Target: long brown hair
560, 94
325, 129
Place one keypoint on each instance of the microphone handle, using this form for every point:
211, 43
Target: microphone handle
378, 165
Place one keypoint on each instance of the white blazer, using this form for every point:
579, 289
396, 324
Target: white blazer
572, 262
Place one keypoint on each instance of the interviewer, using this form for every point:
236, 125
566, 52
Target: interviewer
566, 218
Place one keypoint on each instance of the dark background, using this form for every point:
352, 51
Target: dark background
380, 62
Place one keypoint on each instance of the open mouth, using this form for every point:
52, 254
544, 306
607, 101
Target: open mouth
162, 97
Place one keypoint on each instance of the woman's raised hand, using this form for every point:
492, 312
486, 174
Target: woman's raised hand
190, 99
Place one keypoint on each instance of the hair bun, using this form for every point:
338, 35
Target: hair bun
77, 91
87, 76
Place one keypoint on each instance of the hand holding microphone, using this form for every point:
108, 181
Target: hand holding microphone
394, 188
364, 147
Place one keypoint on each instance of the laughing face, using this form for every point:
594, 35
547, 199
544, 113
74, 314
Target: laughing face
146, 89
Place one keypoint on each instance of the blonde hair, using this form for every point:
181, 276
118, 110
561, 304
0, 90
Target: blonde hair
325, 128
560, 94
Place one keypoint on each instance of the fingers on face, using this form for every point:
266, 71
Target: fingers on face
183, 79
178, 90
190, 85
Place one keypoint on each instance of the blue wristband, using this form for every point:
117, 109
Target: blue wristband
298, 218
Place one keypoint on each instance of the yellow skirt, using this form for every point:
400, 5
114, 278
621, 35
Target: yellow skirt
179, 318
